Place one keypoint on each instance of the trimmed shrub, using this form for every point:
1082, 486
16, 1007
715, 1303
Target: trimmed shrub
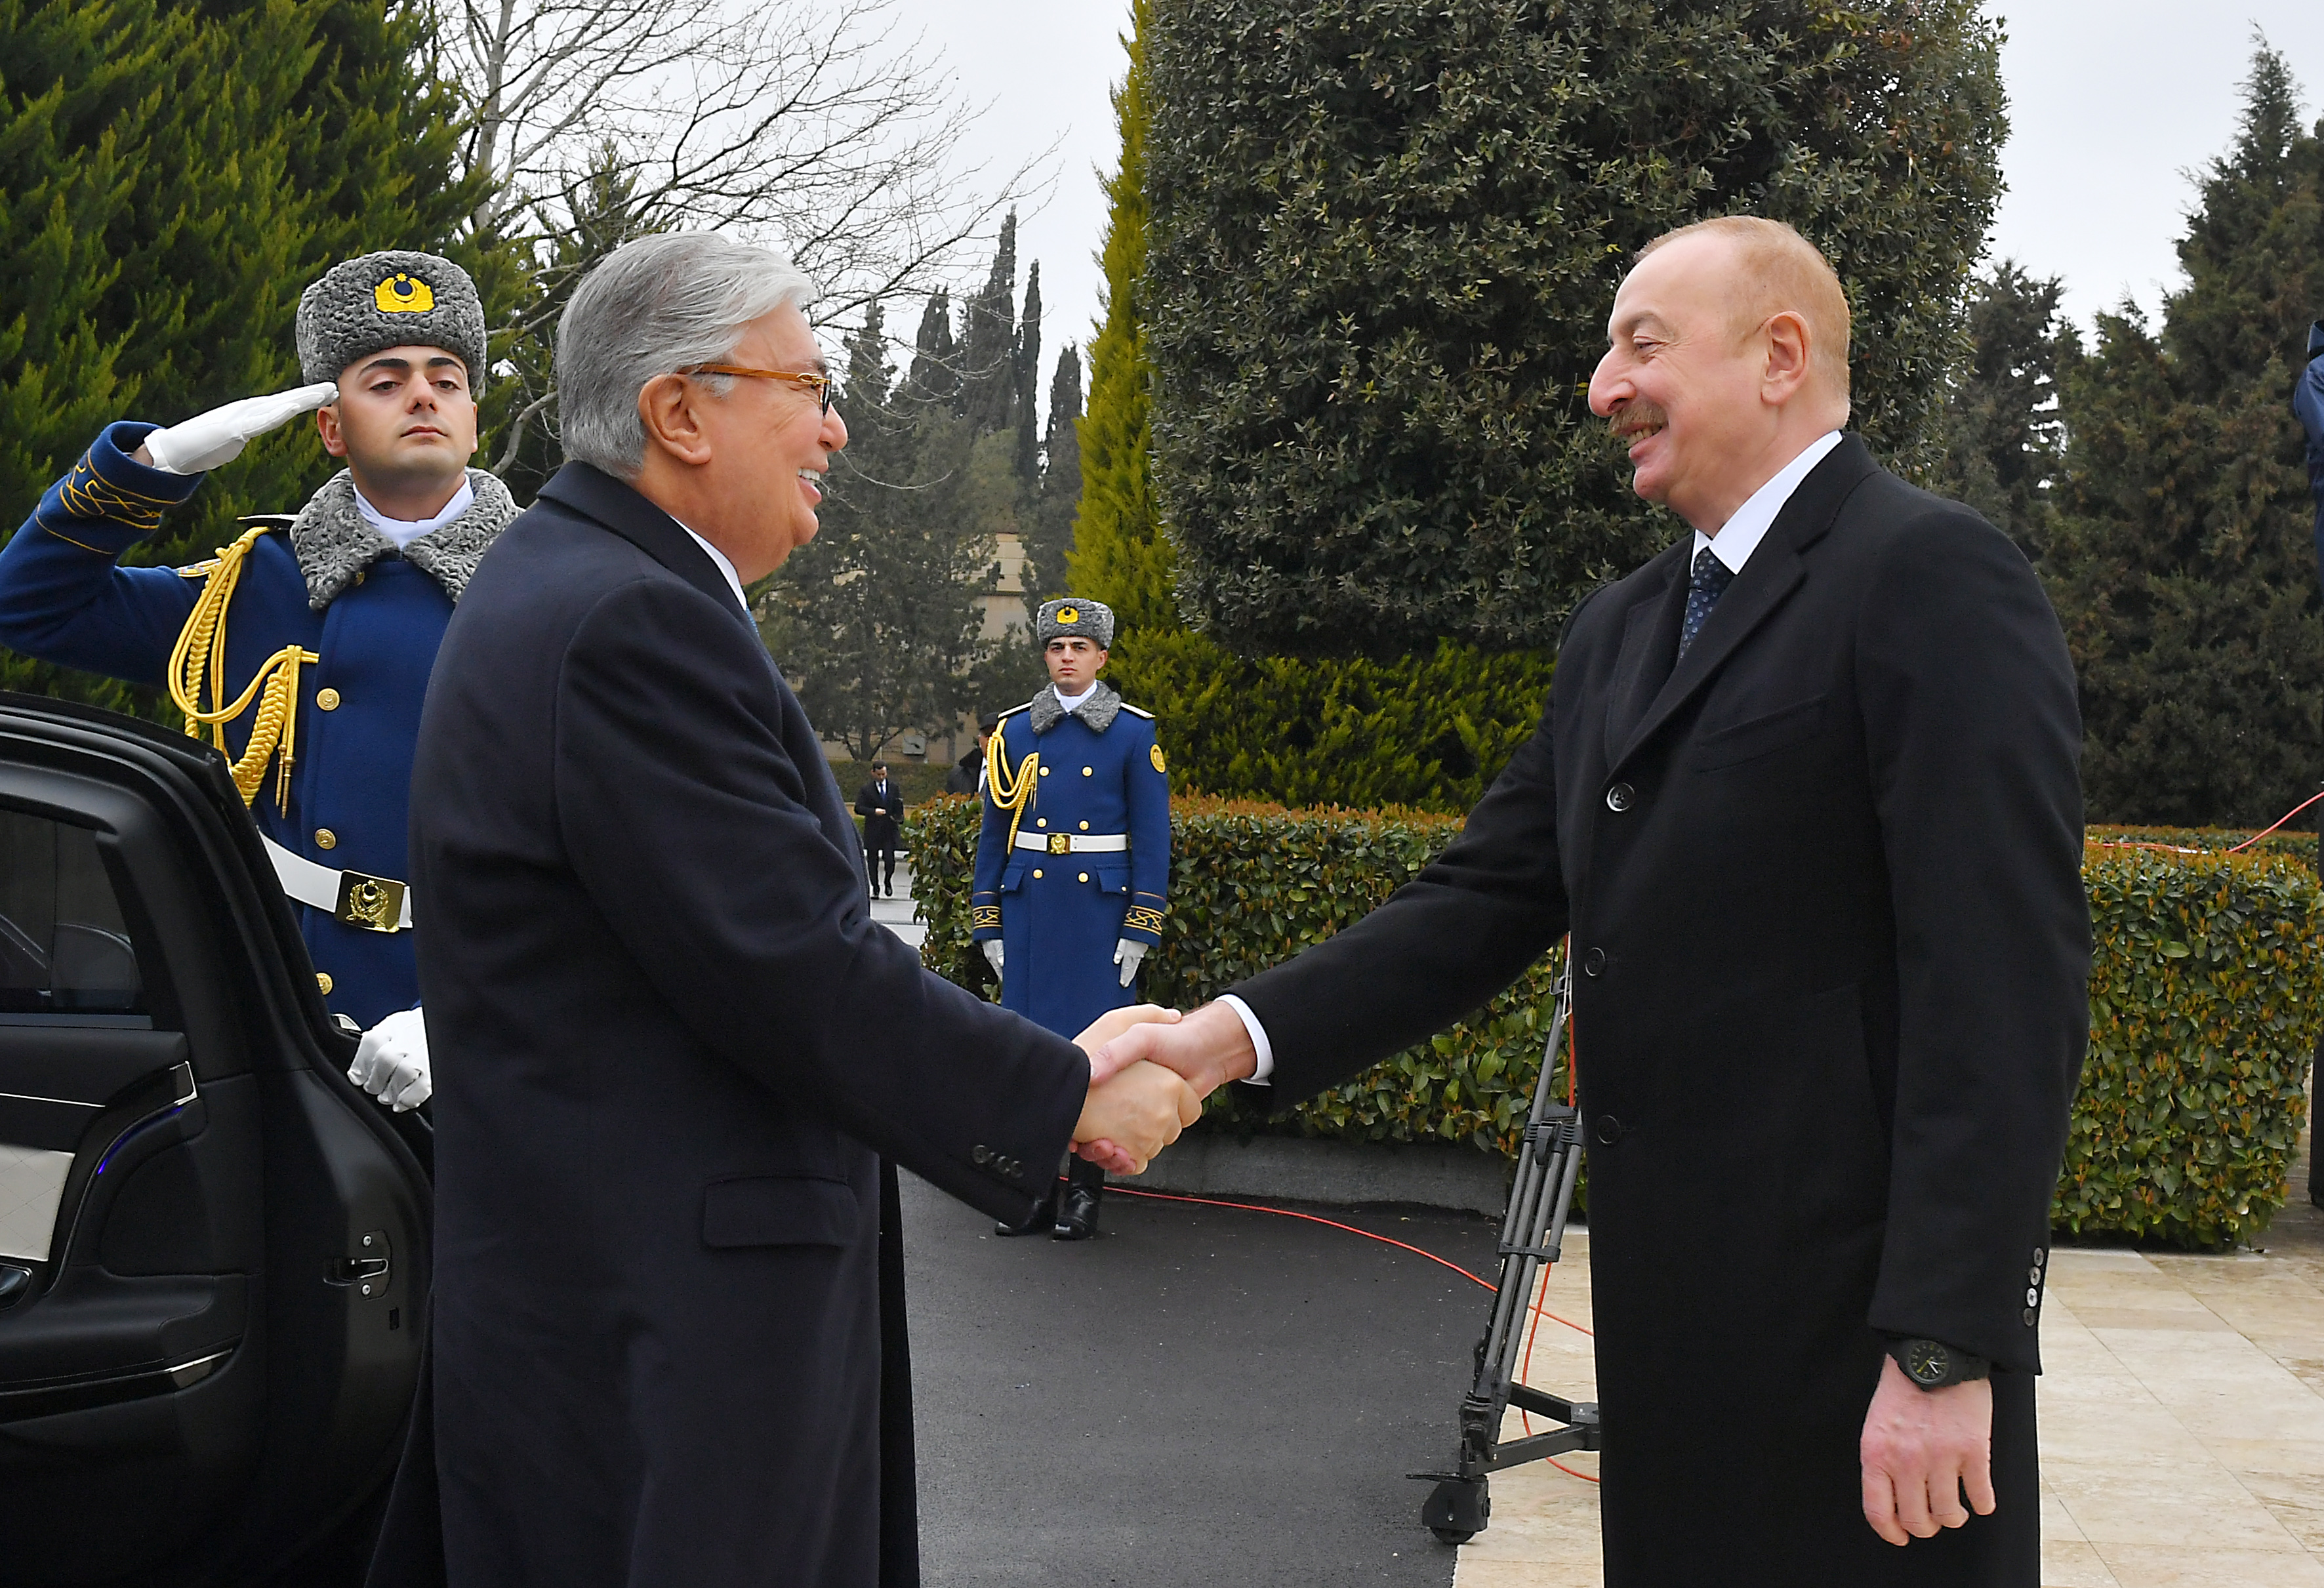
2204, 998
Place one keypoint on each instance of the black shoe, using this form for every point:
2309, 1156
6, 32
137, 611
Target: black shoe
1077, 1214
1045, 1212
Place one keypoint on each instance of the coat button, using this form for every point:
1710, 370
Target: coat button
2040, 1257
323, 980
1044, 771
982, 1155
1610, 1129
1085, 876
1618, 798
2033, 1298
1085, 826
1036, 873
329, 699
2028, 1317
1593, 961
1088, 771
1040, 821
325, 839
2033, 1276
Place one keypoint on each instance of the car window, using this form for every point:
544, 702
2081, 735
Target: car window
64, 947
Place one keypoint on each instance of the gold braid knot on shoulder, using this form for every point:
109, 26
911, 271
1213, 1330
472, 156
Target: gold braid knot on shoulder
198, 668
1011, 791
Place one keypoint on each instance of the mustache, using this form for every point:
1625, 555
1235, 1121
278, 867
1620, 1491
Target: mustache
1637, 414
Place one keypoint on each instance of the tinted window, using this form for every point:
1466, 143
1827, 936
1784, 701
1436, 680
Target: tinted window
63, 946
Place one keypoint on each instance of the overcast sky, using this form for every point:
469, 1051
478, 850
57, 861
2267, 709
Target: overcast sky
2113, 106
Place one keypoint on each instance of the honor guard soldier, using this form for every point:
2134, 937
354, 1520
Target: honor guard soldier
303, 649
1074, 856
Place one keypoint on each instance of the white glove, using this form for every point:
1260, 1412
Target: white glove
392, 1064
1127, 953
208, 439
992, 954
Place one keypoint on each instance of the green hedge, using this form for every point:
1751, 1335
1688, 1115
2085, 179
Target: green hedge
2204, 1000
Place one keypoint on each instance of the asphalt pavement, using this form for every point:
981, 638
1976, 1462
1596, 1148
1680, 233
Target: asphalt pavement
1200, 1396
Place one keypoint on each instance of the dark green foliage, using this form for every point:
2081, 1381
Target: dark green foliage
1386, 234
172, 177
2001, 436
2206, 992
875, 621
988, 342
2204, 1015
1429, 731
1049, 537
2182, 564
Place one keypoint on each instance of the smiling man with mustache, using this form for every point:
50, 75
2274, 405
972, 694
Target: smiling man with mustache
1805, 796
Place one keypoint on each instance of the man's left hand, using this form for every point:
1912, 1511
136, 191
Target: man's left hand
1920, 1449
1127, 953
392, 1062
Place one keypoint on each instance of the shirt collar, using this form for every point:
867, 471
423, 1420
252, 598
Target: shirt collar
1740, 535
1070, 702
403, 532
718, 560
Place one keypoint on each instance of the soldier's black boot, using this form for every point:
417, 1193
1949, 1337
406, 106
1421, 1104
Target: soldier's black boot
1043, 1217
1077, 1203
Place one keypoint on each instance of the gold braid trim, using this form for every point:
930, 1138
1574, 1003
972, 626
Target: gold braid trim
1141, 918
1011, 791
86, 493
199, 662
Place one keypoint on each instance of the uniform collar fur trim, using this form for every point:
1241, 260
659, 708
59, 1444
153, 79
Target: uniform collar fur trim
333, 544
1097, 713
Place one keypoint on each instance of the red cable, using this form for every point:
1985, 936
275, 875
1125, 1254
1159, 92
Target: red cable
1539, 1311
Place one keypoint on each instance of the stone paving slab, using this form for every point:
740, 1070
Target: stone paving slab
2181, 1416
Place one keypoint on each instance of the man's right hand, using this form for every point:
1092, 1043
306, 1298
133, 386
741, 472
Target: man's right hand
208, 440
1208, 1048
1140, 1111
992, 954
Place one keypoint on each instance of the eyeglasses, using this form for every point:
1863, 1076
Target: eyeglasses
819, 384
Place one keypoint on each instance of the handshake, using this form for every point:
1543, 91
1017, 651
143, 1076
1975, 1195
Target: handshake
1150, 1069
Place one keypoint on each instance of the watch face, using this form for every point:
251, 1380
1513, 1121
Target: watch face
1926, 1361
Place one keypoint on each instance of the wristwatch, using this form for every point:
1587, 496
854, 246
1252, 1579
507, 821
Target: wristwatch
1932, 1364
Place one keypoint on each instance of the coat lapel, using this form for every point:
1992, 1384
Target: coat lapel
1649, 640
1774, 571
617, 505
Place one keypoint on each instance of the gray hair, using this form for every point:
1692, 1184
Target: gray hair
653, 306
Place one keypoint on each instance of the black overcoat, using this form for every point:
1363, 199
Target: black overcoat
670, 1050
881, 832
1823, 882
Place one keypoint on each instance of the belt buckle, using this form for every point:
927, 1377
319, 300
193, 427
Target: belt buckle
1061, 843
373, 903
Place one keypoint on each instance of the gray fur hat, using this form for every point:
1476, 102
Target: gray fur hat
1069, 617
396, 299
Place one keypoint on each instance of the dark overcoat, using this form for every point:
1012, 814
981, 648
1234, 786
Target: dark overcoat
881, 832
1823, 884
671, 1048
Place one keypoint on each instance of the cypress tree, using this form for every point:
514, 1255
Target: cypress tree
933, 377
2002, 435
1026, 370
1051, 541
989, 341
2183, 567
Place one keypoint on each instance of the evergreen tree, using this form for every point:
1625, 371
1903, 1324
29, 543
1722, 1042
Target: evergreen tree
1429, 730
1049, 542
2182, 565
172, 177
933, 377
988, 346
1384, 235
2001, 434
1026, 370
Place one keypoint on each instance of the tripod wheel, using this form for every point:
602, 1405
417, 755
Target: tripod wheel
1457, 1510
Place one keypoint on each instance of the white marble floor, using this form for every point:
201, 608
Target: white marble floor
2181, 1415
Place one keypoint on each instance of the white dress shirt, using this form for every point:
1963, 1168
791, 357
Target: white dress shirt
1736, 539
719, 558
403, 532
1740, 535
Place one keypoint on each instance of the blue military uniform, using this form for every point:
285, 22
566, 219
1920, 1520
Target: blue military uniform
2308, 402
332, 783
1091, 860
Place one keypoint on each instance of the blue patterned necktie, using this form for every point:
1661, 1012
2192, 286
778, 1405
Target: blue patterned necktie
1704, 585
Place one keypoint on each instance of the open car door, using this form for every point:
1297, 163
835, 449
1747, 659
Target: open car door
214, 1250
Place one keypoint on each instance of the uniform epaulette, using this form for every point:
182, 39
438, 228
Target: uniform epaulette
1013, 710
1137, 711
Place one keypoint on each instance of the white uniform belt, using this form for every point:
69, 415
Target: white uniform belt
1074, 842
376, 904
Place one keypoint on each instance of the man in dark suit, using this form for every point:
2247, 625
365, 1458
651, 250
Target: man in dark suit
1805, 796
881, 806
672, 1047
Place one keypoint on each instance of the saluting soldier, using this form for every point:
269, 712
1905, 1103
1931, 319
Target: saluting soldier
1073, 861
303, 649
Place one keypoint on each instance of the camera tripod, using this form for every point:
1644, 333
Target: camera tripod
1532, 1231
